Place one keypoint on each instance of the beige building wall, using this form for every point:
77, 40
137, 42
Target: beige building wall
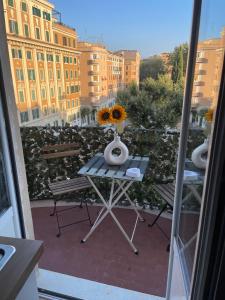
131, 66
45, 64
207, 71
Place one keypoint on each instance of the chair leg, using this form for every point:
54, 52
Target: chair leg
54, 209
157, 217
89, 218
59, 230
81, 203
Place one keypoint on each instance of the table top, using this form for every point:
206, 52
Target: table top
97, 167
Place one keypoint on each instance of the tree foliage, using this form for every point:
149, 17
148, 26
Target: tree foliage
158, 104
178, 61
152, 67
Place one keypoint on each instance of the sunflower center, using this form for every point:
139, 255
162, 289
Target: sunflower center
116, 114
105, 116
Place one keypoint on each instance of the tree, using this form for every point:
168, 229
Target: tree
152, 67
158, 104
178, 61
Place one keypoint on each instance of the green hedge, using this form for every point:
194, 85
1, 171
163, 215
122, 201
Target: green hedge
160, 146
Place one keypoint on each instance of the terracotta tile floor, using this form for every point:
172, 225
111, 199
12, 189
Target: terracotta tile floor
106, 257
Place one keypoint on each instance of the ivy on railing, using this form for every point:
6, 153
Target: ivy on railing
160, 146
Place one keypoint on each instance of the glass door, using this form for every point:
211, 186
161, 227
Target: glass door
195, 143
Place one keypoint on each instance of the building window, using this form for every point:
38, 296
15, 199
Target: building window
49, 57
50, 74
73, 103
36, 11
71, 60
31, 74
57, 58
13, 27
56, 38
65, 59
37, 33
47, 36
19, 74
29, 55
40, 56
68, 104
58, 74
16, 53
24, 116
46, 16
26, 30
21, 95
11, 3
35, 113
75, 60
45, 110
42, 74
74, 44
52, 92
43, 93
24, 6
95, 56
67, 89
64, 41
33, 95
67, 74
60, 93
75, 74
71, 74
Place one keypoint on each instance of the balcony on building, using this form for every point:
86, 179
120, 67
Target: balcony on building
91, 73
93, 62
199, 83
201, 60
93, 83
201, 72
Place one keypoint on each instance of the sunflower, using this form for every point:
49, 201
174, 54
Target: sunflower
117, 114
209, 115
103, 116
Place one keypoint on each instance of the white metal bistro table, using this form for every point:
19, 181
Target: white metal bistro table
97, 167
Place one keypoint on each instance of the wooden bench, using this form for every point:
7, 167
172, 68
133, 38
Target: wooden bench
166, 191
60, 151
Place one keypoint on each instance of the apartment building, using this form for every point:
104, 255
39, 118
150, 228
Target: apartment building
207, 71
45, 64
131, 66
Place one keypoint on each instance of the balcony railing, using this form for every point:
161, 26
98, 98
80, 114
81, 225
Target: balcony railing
201, 60
91, 73
198, 94
93, 83
201, 72
199, 83
93, 62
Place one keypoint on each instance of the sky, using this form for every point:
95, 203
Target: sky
149, 26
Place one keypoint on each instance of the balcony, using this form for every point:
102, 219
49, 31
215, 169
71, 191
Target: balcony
201, 72
198, 94
91, 73
199, 83
106, 253
93, 62
94, 94
93, 83
201, 60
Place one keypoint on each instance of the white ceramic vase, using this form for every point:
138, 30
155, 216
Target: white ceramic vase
199, 155
112, 159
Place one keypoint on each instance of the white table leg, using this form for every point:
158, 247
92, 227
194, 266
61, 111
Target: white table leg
131, 202
108, 206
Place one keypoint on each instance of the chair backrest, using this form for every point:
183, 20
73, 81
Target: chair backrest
60, 150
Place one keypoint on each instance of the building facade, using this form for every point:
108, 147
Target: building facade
208, 71
45, 64
131, 66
